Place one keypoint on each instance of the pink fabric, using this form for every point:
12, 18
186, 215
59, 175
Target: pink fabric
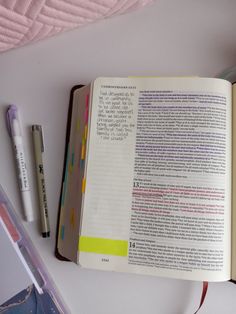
24, 21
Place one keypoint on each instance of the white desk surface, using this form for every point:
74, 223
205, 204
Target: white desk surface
181, 37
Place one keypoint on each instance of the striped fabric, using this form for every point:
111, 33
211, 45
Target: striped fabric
24, 21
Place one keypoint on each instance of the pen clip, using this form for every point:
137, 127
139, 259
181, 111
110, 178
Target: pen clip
38, 128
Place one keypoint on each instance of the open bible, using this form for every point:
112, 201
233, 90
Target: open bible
148, 183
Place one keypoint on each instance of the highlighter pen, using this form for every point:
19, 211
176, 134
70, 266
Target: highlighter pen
38, 150
14, 128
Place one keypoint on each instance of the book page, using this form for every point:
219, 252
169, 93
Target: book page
234, 186
158, 189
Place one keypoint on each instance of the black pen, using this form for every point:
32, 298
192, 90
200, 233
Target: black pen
38, 150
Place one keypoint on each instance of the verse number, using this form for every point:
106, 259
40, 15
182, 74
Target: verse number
136, 185
132, 244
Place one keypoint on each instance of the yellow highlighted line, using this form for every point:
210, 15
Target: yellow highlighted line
82, 152
103, 246
83, 185
72, 217
85, 132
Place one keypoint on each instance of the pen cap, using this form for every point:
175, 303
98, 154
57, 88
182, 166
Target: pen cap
12, 117
38, 136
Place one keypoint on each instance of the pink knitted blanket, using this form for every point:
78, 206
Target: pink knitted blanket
24, 21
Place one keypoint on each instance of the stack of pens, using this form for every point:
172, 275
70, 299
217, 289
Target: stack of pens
14, 128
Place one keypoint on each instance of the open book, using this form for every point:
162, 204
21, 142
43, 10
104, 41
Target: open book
148, 184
